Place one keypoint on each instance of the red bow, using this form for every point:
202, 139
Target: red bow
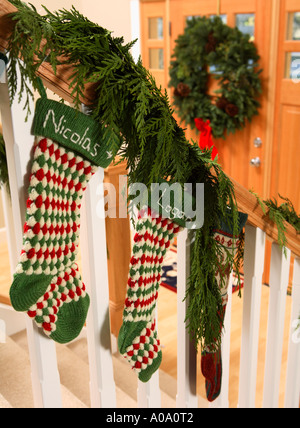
205, 141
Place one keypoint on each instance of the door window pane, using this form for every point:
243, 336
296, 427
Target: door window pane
245, 22
156, 59
156, 28
189, 18
292, 66
214, 70
223, 17
293, 26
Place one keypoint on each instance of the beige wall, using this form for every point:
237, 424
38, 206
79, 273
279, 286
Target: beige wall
113, 14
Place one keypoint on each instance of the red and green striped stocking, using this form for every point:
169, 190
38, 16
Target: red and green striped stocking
138, 340
211, 357
47, 284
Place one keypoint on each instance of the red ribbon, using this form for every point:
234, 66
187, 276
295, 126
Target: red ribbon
206, 141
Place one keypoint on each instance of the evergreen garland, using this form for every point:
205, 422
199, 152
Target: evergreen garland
134, 110
208, 43
280, 215
286, 211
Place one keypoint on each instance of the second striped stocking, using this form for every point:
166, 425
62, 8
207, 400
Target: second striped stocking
138, 340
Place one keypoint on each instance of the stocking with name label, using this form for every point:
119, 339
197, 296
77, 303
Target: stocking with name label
47, 284
138, 341
156, 229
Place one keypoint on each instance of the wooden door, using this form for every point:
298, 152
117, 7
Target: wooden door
285, 176
285, 173
236, 152
155, 39
275, 26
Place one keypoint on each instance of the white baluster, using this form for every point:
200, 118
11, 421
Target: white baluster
279, 279
19, 142
149, 393
10, 230
186, 352
44, 373
95, 276
253, 271
292, 393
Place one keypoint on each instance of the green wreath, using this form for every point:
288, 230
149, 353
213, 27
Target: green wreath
208, 46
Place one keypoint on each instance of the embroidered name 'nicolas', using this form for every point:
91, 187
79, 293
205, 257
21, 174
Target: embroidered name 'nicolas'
61, 128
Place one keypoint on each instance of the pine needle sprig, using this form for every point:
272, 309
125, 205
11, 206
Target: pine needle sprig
281, 215
204, 302
286, 210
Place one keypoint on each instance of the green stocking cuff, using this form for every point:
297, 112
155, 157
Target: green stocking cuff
73, 130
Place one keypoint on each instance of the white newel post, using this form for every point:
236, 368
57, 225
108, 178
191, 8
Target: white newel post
19, 143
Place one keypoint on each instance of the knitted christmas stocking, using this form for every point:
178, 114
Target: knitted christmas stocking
47, 284
211, 358
138, 340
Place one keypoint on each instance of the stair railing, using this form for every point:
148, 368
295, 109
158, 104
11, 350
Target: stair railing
45, 375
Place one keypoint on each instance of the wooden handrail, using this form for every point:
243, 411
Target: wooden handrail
58, 83
6, 23
248, 203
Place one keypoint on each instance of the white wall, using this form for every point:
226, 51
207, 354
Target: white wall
113, 14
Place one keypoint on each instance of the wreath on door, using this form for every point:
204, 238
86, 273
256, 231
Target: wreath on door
207, 49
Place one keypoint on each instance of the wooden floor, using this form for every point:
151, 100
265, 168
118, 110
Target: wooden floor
167, 329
